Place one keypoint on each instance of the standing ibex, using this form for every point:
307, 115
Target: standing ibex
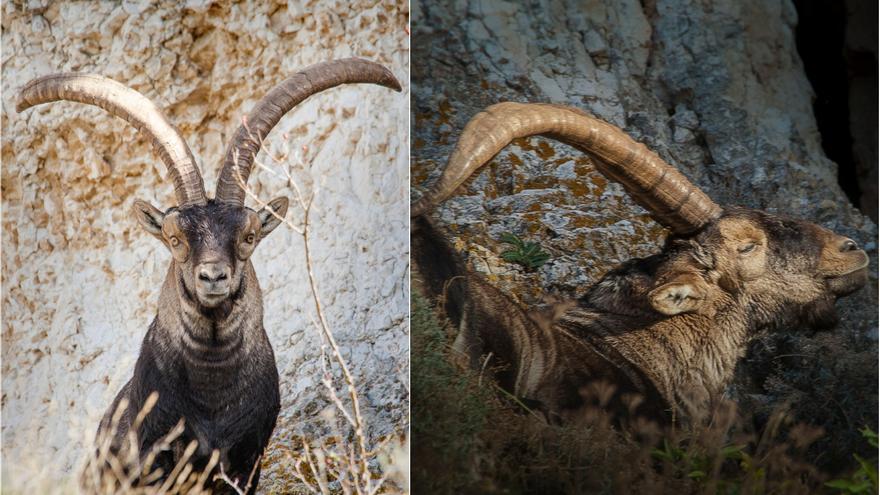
206, 352
668, 328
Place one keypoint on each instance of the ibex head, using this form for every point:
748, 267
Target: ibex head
210, 240
783, 271
780, 270
211, 243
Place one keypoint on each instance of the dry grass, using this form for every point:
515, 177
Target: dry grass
122, 469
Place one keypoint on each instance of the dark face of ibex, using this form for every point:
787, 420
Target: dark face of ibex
785, 271
211, 243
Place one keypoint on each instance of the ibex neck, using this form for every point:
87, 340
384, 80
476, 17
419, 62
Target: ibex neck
690, 358
210, 345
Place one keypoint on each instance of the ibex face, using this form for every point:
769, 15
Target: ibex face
784, 270
210, 244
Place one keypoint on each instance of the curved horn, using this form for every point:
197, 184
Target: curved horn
654, 184
265, 115
122, 101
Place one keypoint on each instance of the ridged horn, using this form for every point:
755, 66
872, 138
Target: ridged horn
124, 102
248, 138
670, 198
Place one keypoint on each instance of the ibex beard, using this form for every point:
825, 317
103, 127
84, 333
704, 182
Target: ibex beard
668, 328
206, 353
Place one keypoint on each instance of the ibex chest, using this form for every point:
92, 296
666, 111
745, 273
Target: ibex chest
218, 377
226, 392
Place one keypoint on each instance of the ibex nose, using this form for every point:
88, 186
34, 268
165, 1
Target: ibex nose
848, 245
213, 272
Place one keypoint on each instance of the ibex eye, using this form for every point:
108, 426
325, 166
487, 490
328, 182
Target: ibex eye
748, 248
174, 241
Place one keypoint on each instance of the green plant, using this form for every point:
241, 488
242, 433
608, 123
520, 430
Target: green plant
449, 411
703, 466
695, 465
528, 254
864, 479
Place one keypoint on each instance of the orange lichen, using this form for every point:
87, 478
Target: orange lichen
444, 110
581, 221
577, 187
539, 182
515, 159
542, 148
420, 169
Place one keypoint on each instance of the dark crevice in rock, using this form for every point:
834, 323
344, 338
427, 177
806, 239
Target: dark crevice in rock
839, 53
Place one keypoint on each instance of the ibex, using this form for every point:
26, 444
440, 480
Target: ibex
665, 331
206, 352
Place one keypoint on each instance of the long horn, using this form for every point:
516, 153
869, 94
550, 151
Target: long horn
122, 101
657, 186
265, 115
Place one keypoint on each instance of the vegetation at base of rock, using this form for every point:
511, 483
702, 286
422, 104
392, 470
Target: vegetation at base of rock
448, 407
525, 253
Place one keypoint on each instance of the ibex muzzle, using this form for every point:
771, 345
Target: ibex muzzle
206, 352
669, 327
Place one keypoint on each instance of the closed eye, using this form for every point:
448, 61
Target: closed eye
748, 248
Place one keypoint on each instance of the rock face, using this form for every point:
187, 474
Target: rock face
716, 88
81, 279
861, 57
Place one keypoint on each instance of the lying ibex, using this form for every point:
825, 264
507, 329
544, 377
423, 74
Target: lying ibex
206, 352
668, 328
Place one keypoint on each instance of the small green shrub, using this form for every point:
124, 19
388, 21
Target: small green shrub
864, 479
528, 254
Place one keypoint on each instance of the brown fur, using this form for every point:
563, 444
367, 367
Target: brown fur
668, 328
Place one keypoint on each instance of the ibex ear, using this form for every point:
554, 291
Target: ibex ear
270, 220
149, 217
683, 294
